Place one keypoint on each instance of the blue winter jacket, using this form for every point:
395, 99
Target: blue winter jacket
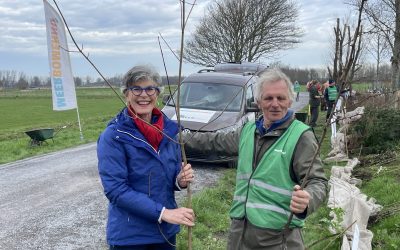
138, 181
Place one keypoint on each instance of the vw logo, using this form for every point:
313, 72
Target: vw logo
186, 130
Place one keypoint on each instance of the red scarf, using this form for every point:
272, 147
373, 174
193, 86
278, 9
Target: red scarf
152, 135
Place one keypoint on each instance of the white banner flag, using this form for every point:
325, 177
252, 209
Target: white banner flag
62, 80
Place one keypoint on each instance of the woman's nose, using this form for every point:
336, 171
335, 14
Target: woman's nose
143, 93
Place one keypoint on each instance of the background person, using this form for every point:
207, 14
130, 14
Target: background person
274, 155
314, 102
296, 88
330, 94
322, 91
140, 168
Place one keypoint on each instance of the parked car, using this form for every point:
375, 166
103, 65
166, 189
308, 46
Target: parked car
215, 100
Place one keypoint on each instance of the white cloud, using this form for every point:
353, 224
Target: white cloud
127, 31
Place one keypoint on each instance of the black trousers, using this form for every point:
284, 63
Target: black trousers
330, 107
314, 116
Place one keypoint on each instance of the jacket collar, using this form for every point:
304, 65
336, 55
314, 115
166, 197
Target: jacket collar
124, 122
280, 124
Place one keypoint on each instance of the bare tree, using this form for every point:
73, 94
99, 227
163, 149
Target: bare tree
78, 81
35, 82
243, 30
348, 47
384, 15
379, 49
22, 81
1, 80
88, 80
9, 78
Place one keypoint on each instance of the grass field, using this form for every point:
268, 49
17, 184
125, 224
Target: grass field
27, 110
32, 109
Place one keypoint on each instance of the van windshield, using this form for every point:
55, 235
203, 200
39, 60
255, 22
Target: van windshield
209, 96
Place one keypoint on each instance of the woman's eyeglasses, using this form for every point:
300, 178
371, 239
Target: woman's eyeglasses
137, 91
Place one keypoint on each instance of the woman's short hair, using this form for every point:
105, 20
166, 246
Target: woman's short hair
138, 74
270, 76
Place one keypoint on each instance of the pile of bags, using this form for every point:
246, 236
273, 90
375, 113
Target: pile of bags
356, 206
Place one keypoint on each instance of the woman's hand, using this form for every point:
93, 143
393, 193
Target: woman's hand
185, 176
182, 216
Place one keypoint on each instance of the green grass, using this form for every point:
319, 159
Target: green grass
25, 110
384, 187
361, 87
32, 109
29, 112
211, 207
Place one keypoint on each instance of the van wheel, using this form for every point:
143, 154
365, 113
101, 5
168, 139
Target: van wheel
232, 164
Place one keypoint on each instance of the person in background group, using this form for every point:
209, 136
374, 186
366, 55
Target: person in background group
275, 153
296, 87
314, 102
140, 168
322, 91
330, 94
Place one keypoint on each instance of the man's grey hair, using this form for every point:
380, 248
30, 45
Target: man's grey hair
270, 76
140, 73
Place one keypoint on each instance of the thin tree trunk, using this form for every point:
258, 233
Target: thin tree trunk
396, 50
336, 58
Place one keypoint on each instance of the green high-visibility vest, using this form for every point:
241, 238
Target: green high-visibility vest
263, 196
332, 93
296, 88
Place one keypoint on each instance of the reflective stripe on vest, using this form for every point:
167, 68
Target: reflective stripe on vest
332, 93
263, 196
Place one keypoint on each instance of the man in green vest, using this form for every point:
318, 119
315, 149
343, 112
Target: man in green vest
330, 94
275, 153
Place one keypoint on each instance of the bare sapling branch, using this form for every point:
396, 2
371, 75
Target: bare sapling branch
189, 191
80, 50
172, 51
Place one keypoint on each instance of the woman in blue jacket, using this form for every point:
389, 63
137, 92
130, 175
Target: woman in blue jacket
140, 168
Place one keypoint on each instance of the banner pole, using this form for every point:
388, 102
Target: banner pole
79, 123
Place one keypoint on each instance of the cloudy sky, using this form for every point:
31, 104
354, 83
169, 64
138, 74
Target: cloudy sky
118, 34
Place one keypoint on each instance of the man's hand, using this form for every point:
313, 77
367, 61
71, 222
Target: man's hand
300, 200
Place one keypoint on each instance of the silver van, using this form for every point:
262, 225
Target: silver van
215, 100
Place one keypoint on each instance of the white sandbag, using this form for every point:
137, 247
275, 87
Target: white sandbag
356, 206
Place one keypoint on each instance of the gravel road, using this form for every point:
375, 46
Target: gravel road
55, 201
